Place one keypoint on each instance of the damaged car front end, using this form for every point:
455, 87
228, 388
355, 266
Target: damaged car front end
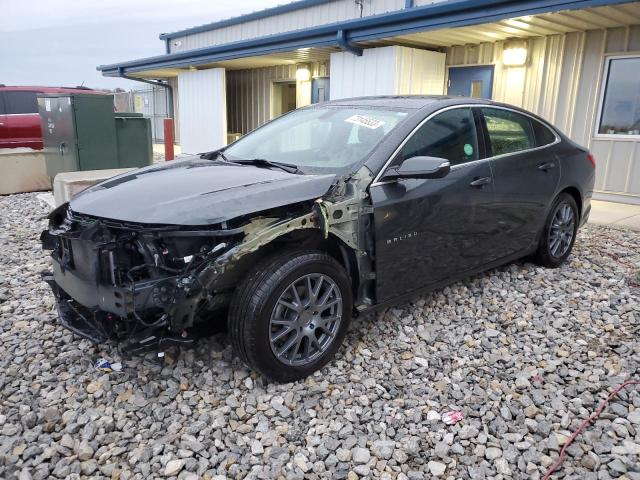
149, 285
133, 283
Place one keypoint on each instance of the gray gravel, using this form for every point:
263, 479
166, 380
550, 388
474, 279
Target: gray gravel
525, 353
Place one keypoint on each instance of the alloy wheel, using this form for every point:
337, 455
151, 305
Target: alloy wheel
561, 230
305, 319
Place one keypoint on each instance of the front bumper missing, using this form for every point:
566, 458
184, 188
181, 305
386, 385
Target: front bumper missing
81, 321
99, 327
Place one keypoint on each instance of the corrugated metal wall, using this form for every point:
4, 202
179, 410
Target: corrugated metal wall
561, 82
308, 17
249, 94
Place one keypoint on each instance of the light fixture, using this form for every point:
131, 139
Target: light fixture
514, 53
303, 74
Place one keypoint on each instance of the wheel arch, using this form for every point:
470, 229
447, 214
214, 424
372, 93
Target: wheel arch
310, 238
577, 196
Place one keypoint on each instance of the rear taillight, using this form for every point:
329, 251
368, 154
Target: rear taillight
592, 159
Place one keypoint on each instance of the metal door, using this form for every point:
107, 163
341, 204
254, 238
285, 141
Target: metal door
474, 82
320, 90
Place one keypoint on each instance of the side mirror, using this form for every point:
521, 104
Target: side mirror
419, 167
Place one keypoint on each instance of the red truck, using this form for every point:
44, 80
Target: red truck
19, 119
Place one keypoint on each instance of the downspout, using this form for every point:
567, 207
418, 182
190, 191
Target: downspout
346, 45
408, 3
157, 83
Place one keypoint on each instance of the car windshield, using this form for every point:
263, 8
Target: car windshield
318, 140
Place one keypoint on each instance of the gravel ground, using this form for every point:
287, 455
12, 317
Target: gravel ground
525, 353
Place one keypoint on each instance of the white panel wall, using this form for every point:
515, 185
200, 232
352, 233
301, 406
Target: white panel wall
373, 73
203, 110
562, 83
390, 70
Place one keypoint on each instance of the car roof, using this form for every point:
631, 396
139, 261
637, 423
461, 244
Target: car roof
414, 102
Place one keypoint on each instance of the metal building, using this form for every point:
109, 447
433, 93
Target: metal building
574, 62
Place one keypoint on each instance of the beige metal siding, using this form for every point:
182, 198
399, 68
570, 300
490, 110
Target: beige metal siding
562, 83
249, 94
330, 12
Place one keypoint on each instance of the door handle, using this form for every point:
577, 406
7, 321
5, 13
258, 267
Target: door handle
481, 182
546, 166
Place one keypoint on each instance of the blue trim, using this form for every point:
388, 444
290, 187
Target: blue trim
346, 45
267, 12
449, 14
408, 3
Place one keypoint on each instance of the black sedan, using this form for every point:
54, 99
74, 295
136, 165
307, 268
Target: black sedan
325, 213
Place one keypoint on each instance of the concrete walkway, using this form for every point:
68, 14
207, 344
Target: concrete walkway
615, 214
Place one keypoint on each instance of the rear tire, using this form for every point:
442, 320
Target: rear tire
559, 232
278, 305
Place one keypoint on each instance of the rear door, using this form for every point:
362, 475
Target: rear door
22, 121
428, 230
526, 174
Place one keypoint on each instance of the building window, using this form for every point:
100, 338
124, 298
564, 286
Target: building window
620, 111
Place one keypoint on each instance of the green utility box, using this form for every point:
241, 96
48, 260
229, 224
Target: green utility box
133, 134
80, 132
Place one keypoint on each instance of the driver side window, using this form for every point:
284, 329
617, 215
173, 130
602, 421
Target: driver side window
450, 135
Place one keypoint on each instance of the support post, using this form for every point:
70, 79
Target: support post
168, 139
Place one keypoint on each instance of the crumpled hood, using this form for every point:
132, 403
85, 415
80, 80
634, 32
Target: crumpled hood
196, 192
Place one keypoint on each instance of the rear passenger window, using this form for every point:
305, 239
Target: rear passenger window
544, 136
20, 102
450, 134
508, 131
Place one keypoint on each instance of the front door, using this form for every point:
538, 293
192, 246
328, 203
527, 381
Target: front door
430, 229
474, 82
526, 173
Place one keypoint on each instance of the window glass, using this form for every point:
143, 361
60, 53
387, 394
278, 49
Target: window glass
508, 131
450, 134
20, 102
319, 140
544, 136
621, 106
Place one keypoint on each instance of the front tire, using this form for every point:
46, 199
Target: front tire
290, 314
559, 233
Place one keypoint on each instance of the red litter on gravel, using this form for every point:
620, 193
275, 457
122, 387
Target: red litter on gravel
452, 417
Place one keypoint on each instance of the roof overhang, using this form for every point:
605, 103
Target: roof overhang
404, 26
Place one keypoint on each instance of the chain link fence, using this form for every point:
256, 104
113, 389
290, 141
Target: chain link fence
152, 102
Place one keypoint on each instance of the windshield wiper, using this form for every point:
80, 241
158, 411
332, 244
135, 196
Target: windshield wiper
263, 162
